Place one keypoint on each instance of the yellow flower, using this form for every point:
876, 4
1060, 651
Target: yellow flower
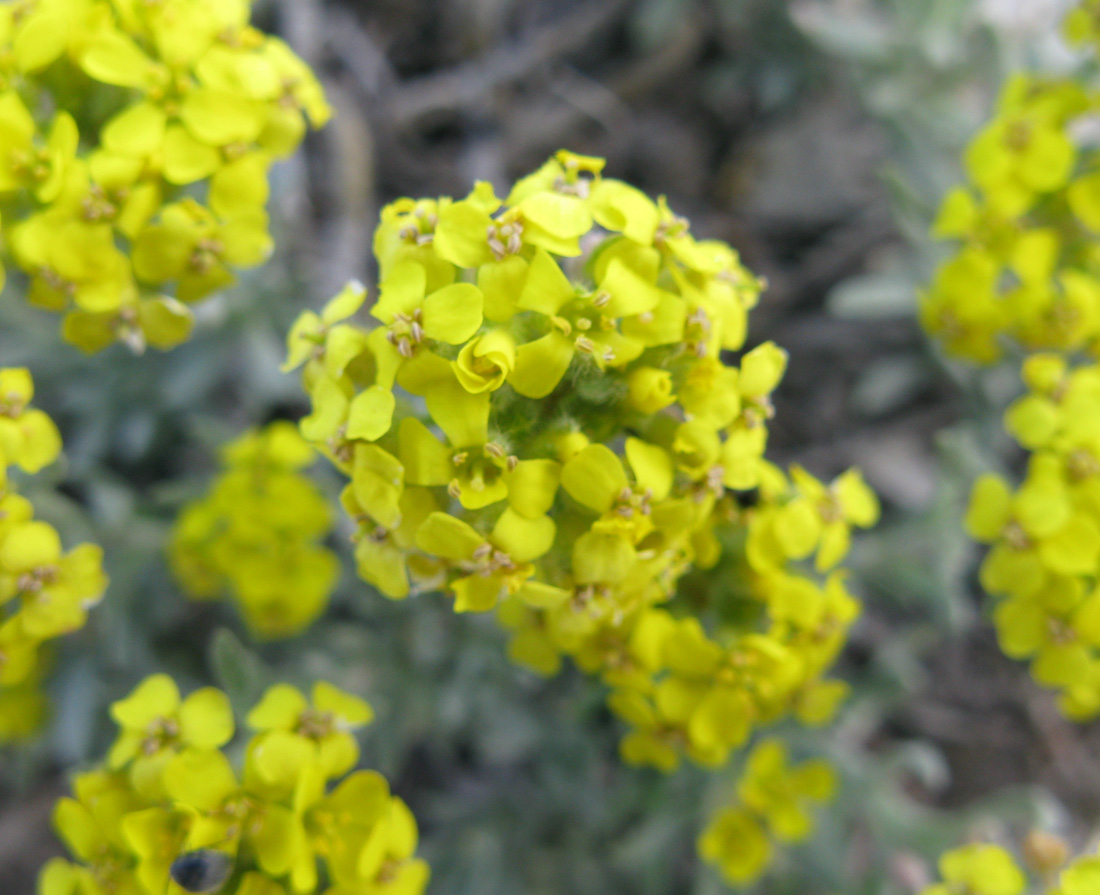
271, 825
28, 437
981, 869
495, 566
780, 794
255, 535
190, 245
297, 733
737, 843
39, 166
155, 724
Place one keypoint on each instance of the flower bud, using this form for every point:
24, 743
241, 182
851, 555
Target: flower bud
650, 389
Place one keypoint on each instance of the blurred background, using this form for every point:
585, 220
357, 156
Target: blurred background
816, 137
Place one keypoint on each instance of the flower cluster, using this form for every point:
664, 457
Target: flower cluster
542, 421
1045, 535
135, 143
1027, 273
773, 803
45, 592
167, 790
985, 869
255, 535
1025, 270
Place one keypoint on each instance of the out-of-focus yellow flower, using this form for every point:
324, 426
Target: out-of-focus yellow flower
773, 802
981, 869
275, 821
255, 535
45, 592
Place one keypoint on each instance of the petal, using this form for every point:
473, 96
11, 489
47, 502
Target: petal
401, 292
547, 288
427, 461
988, 511
540, 365
502, 283
477, 593
566, 217
461, 235
155, 697
594, 478
600, 557
113, 58
274, 840
186, 160
448, 537
382, 565
857, 500
139, 130
239, 186
454, 313
619, 206
630, 293
651, 465
464, 418
279, 709
377, 481
371, 413
41, 442
532, 486
543, 596
165, 322
521, 538
722, 719
1074, 548
762, 369
30, 546
330, 408
41, 40
245, 240
350, 710
345, 303
206, 719
200, 780
798, 528
218, 118
280, 757
1033, 421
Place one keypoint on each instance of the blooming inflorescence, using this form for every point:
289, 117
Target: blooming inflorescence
45, 592
135, 143
542, 422
255, 535
773, 804
167, 789
1045, 558
1026, 269
1027, 274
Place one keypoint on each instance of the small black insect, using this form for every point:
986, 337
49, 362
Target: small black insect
200, 871
747, 499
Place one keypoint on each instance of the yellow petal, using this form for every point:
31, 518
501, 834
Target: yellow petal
541, 364
594, 478
370, 413
448, 537
521, 538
